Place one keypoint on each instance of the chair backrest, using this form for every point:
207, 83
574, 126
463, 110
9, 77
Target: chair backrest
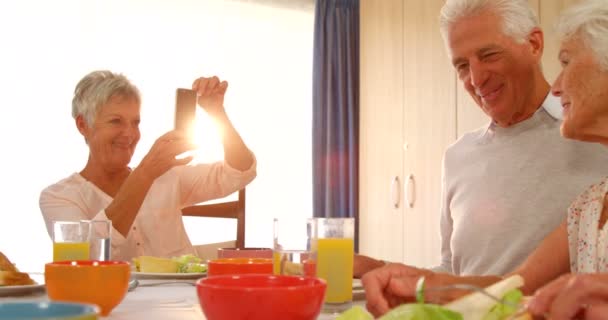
229, 210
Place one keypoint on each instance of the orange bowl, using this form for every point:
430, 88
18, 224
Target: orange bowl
227, 266
103, 283
261, 297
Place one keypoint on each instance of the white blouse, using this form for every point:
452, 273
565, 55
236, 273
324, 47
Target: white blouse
158, 229
588, 244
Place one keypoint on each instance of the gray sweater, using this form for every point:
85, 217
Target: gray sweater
505, 189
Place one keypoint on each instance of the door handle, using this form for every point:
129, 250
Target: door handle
395, 192
410, 191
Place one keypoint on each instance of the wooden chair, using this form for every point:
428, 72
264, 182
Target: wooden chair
228, 210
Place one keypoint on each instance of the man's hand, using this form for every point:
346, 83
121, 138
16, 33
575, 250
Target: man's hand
390, 286
363, 264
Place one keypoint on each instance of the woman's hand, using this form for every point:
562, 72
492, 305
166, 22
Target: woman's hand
210, 93
211, 97
161, 156
573, 296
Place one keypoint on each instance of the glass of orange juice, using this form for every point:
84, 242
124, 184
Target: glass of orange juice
333, 240
71, 240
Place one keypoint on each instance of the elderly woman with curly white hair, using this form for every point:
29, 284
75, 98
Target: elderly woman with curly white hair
144, 203
568, 272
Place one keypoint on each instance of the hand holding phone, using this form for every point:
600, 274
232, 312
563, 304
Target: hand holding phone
185, 109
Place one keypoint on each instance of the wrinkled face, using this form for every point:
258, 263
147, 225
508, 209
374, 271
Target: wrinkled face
496, 71
114, 135
583, 88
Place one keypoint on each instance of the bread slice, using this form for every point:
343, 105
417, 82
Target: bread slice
10, 276
13, 278
155, 265
5, 264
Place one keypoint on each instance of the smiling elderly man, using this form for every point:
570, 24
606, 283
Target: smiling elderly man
506, 185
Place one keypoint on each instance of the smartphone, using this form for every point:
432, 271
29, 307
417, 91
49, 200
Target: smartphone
185, 109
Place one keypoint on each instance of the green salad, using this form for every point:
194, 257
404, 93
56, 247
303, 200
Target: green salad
183, 264
189, 263
428, 311
474, 306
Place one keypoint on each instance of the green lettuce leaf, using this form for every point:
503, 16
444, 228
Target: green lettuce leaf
421, 311
411, 311
502, 311
355, 313
189, 263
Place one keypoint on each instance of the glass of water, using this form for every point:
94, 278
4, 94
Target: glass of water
100, 236
293, 253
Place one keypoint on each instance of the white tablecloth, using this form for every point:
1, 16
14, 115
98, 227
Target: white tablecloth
164, 302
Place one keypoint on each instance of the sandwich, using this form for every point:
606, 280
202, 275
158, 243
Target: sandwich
474, 306
10, 275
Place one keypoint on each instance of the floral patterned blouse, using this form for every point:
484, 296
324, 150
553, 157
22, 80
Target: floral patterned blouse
587, 243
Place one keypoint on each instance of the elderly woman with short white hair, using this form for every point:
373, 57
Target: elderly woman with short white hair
582, 86
144, 203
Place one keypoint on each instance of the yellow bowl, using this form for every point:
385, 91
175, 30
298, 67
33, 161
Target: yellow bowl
103, 283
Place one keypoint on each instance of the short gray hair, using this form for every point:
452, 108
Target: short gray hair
96, 89
518, 19
588, 19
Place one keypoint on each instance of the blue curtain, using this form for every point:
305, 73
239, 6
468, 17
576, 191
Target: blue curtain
335, 131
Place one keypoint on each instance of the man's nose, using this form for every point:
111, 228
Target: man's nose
478, 75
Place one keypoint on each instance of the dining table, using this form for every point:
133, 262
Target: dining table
163, 300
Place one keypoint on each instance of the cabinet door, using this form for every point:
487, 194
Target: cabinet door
429, 127
470, 116
380, 148
549, 13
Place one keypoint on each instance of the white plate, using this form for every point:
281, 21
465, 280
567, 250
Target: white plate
149, 275
8, 291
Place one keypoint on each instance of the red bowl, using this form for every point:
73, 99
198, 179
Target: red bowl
231, 266
261, 297
244, 253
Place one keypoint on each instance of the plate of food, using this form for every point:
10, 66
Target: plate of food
183, 267
16, 283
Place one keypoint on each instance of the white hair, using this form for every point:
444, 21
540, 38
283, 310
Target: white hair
518, 18
96, 89
589, 20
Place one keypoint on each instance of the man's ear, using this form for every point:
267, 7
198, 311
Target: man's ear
536, 39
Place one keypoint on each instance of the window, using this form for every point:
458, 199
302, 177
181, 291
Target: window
264, 52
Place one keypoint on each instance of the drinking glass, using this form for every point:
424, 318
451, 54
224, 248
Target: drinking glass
100, 239
293, 254
334, 242
70, 240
